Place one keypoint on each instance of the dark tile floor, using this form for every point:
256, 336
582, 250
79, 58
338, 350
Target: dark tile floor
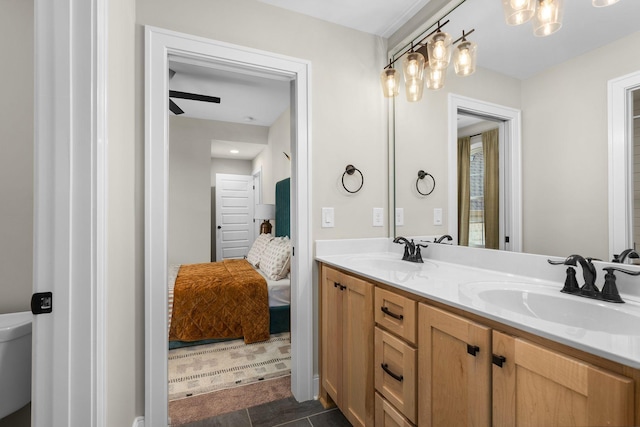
281, 413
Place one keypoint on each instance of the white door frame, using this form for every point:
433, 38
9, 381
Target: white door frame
620, 161
513, 162
159, 44
68, 381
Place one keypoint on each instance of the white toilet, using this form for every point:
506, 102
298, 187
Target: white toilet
15, 361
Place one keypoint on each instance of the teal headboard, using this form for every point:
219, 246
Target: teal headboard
283, 207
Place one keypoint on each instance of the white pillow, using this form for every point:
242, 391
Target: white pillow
275, 261
258, 247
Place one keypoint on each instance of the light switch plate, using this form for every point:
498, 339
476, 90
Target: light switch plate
437, 216
378, 217
399, 216
327, 218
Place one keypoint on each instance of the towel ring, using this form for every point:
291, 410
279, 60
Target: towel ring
350, 170
422, 175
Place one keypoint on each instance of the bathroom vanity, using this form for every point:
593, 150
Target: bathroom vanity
450, 343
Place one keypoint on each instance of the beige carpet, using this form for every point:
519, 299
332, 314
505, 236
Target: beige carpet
206, 368
209, 405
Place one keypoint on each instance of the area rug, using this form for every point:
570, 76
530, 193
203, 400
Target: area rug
219, 366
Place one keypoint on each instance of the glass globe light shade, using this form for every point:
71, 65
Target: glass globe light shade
414, 88
390, 81
413, 66
439, 50
603, 3
548, 17
464, 58
518, 12
435, 78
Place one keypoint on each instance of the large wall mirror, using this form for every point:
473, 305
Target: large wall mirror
546, 101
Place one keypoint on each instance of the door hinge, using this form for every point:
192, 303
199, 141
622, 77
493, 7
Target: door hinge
41, 302
506, 239
293, 251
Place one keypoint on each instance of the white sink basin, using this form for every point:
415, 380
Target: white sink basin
549, 304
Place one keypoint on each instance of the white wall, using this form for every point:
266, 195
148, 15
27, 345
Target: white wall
565, 190
274, 164
16, 154
229, 166
189, 222
125, 223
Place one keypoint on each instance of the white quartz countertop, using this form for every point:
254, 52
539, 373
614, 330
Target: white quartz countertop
528, 303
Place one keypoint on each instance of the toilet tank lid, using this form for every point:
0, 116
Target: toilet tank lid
15, 325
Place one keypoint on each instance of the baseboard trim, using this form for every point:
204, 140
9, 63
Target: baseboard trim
316, 387
138, 422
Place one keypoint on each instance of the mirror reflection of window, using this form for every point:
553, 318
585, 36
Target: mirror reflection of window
636, 166
479, 190
476, 194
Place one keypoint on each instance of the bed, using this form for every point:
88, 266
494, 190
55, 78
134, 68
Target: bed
248, 298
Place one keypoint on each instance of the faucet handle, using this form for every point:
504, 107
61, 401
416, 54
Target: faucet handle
570, 283
610, 290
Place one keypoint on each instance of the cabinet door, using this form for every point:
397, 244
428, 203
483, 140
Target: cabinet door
358, 386
536, 386
331, 335
454, 385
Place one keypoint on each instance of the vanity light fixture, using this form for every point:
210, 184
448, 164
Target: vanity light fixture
427, 60
390, 81
413, 67
435, 79
439, 49
603, 3
548, 17
518, 12
464, 57
547, 14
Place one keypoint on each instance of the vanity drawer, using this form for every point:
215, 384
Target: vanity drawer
396, 313
395, 372
388, 416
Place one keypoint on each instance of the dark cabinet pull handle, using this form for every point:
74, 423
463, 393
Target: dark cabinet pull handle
336, 284
498, 360
386, 311
385, 368
472, 349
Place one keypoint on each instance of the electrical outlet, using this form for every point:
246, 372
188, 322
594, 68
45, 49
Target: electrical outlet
378, 217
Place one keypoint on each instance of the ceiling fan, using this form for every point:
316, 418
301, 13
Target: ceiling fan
186, 95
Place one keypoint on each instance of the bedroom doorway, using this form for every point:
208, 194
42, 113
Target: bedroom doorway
160, 44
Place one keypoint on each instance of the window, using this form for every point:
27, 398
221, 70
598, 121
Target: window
476, 190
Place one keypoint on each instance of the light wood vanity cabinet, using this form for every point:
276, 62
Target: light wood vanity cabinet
347, 345
536, 386
442, 366
454, 370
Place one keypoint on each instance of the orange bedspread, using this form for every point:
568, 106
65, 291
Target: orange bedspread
227, 299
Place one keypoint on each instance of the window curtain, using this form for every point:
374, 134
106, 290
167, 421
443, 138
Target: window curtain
490, 150
464, 184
